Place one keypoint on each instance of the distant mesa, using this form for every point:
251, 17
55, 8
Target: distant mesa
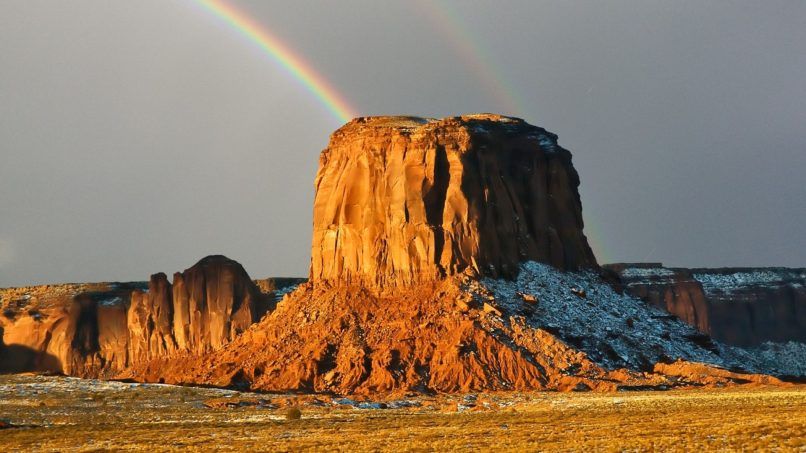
740, 306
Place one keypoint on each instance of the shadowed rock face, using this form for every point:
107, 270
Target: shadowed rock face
403, 200
740, 306
97, 329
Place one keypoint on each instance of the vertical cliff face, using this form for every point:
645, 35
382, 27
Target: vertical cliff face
150, 321
97, 329
673, 290
749, 306
214, 301
403, 200
78, 329
740, 306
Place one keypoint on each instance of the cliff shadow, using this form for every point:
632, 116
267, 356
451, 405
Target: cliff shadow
17, 358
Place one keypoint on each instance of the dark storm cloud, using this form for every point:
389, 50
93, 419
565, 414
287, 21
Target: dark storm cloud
139, 136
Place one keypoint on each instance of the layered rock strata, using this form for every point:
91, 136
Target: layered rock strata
740, 306
405, 200
77, 329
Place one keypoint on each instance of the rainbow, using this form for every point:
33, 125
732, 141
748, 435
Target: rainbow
448, 23
476, 56
443, 19
282, 55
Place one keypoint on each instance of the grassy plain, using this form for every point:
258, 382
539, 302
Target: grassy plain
59, 414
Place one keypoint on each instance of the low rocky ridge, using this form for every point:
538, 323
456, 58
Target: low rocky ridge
99, 329
740, 306
448, 256
547, 330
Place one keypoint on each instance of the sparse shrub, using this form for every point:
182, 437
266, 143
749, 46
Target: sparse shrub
293, 413
185, 393
99, 398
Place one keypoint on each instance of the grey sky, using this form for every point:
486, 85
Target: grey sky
137, 137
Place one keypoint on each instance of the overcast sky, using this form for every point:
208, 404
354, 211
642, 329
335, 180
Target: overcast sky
140, 136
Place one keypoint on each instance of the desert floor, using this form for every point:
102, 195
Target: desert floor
57, 413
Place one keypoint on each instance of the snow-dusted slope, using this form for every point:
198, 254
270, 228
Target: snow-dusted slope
618, 330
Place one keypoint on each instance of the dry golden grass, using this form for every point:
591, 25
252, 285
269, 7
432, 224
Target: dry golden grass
165, 418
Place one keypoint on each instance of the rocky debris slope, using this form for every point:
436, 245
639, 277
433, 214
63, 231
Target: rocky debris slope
620, 330
546, 330
406, 200
740, 306
98, 329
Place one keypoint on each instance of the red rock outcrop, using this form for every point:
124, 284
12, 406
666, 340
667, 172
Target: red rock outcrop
409, 214
740, 306
77, 329
213, 302
405, 200
99, 329
150, 321
349, 340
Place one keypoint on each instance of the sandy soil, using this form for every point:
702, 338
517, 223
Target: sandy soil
57, 413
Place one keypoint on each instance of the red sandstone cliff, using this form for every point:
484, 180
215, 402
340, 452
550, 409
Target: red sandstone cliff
404, 200
741, 306
99, 329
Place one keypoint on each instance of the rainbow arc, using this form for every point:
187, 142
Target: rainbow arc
281, 54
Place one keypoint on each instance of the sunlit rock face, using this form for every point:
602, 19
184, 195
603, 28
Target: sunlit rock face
78, 329
213, 302
402, 200
207, 306
97, 329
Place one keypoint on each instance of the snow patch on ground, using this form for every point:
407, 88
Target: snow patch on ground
480, 129
783, 358
617, 330
279, 293
718, 282
111, 302
396, 404
646, 272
